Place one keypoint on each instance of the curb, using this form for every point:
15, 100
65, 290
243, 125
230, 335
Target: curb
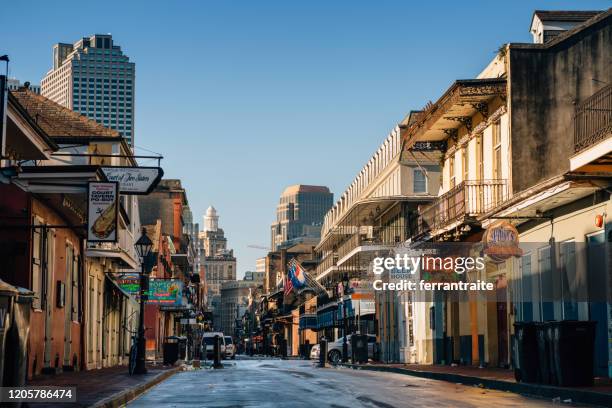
121, 398
537, 390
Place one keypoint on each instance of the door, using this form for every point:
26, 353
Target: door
502, 321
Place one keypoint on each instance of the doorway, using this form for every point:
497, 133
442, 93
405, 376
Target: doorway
501, 289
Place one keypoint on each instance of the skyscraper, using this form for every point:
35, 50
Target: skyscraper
94, 77
299, 215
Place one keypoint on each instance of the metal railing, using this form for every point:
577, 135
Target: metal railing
373, 235
326, 262
593, 119
469, 198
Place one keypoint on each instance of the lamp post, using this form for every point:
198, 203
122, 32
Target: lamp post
143, 249
345, 283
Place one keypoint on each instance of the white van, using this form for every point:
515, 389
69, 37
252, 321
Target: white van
208, 344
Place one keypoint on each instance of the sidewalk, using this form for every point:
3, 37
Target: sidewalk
499, 379
106, 387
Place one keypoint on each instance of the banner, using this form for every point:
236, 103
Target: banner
134, 180
167, 292
102, 206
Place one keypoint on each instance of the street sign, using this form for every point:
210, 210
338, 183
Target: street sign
102, 206
134, 180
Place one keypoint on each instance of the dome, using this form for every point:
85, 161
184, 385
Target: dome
211, 212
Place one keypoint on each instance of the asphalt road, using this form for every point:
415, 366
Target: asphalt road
297, 383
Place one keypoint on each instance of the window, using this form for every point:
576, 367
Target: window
497, 163
419, 181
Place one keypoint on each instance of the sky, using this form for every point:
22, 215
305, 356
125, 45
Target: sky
243, 98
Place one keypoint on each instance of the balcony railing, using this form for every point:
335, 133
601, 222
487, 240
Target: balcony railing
593, 119
468, 199
373, 236
328, 261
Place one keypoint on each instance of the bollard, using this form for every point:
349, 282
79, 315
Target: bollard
283, 348
217, 353
322, 353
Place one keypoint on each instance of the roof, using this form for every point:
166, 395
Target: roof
58, 121
565, 15
304, 188
599, 16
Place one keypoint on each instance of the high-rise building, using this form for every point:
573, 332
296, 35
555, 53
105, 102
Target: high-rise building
299, 215
217, 262
94, 77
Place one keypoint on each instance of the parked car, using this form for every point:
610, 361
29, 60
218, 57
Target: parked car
314, 352
334, 349
208, 344
230, 348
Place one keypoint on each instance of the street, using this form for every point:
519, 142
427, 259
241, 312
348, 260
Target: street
298, 383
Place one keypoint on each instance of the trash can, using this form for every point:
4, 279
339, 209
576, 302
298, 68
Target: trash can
546, 354
573, 345
171, 350
526, 346
359, 348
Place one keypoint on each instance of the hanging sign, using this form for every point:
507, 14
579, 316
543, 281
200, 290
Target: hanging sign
501, 241
102, 206
134, 180
167, 292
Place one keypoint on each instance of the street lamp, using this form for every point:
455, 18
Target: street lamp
345, 283
143, 249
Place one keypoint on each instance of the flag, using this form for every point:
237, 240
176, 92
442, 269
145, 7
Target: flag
288, 286
297, 274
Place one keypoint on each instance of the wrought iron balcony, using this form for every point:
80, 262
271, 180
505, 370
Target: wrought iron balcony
467, 200
593, 119
372, 238
326, 262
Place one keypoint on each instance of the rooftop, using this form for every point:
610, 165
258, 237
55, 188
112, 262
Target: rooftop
56, 120
304, 188
565, 15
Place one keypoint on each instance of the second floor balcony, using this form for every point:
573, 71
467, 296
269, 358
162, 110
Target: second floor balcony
462, 204
593, 133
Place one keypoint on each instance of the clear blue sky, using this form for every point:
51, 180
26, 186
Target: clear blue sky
245, 97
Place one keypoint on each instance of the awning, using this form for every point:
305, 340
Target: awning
175, 309
117, 255
454, 108
116, 286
